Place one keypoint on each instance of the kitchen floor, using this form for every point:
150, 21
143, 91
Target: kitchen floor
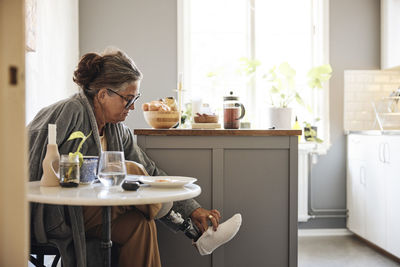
339, 251
329, 251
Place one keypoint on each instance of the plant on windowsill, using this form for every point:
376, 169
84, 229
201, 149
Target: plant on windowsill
283, 91
310, 132
316, 77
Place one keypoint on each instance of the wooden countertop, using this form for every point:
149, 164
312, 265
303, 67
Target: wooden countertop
217, 132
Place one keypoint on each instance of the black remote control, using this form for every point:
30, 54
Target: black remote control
130, 185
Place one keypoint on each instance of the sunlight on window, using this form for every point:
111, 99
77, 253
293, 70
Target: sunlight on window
283, 33
222, 34
218, 38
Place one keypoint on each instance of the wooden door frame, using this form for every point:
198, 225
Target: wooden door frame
14, 230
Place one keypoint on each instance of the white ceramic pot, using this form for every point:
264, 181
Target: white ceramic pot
280, 118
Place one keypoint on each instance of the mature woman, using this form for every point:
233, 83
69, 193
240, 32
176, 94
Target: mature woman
109, 89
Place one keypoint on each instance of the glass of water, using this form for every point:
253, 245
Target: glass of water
112, 169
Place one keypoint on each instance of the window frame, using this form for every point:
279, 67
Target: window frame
320, 24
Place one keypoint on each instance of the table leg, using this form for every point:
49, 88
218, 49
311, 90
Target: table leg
106, 236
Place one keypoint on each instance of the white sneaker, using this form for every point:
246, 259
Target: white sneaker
210, 239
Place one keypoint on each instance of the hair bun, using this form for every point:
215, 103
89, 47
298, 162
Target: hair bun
88, 69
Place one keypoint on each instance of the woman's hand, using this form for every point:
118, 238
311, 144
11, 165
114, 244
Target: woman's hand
200, 218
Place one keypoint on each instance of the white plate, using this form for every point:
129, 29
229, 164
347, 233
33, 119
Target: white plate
167, 181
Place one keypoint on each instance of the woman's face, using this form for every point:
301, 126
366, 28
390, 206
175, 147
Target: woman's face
114, 103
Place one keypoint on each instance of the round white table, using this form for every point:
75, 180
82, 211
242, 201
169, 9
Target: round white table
98, 195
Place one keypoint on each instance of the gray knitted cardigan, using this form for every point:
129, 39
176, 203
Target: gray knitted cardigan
63, 225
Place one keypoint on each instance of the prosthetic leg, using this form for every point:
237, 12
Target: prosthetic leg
174, 221
208, 241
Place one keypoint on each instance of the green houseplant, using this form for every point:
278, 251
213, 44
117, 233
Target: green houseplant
77, 153
282, 85
283, 91
77, 135
316, 77
310, 132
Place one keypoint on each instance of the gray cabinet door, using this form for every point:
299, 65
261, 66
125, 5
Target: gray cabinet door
176, 249
256, 185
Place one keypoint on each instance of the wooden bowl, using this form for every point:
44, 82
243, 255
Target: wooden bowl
161, 119
206, 118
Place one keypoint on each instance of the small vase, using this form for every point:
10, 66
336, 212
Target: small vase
49, 177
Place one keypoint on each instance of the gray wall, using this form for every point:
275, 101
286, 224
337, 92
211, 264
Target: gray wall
354, 44
147, 31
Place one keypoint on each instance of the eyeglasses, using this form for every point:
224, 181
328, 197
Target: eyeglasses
129, 100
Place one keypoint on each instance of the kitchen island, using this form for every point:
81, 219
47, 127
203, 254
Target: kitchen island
252, 172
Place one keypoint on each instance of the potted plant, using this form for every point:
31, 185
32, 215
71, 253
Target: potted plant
283, 91
310, 132
87, 164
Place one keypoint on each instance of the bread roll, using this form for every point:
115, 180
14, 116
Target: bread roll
156, 105
145, 106
164, 107
170, 101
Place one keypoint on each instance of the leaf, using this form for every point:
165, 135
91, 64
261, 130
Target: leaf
211, 74
319, 74
309, 108
313, 132
75, 135
286, 70
274, 90
248, 66
299, 99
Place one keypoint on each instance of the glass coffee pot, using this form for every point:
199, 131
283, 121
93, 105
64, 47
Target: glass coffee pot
233, 111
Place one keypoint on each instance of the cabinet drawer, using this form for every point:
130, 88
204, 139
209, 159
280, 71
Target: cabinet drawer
355, 146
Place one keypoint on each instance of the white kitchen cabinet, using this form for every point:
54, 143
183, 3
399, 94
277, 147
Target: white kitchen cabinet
373, 180
390, 33
356, 196
375, 218
392, 173
356, 146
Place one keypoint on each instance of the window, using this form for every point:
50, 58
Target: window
216, 36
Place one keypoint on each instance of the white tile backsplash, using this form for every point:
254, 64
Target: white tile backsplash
361, 87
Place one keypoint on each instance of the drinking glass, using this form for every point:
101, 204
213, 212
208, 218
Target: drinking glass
112, 169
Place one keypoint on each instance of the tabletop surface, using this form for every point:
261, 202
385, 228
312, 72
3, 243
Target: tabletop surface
217, 132
98, 195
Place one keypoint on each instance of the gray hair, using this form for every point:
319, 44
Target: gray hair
111, 69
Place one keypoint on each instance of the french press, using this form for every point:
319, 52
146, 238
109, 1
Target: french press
233, 111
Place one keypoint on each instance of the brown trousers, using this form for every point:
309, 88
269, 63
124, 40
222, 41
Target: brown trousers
132, 227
